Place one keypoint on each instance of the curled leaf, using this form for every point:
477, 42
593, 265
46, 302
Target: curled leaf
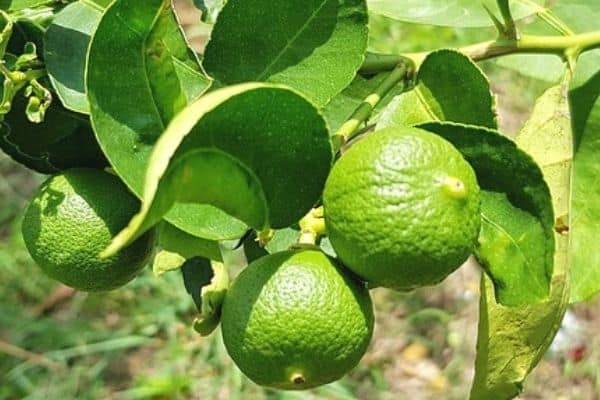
207, 283
241, 149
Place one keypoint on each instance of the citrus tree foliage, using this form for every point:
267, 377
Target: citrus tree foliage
229, 151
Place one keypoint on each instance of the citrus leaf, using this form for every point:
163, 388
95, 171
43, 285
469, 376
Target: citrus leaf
283, 240
547, 137
450, 87
253, 137
519, 261
177, 241
512, 340
140, 73
65, 140
252, 249
454, 13
65, 47
584, 100
176, 247
207, 283
314, 46
509, 242
166, 261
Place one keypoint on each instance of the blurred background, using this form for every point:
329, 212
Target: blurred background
137, 342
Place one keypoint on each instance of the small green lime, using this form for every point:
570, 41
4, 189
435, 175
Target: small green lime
296, 320
72, 218
402, 208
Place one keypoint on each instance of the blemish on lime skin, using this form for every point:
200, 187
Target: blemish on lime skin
454, 188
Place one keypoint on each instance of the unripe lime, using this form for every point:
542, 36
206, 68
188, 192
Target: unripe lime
402, 208
72, 218
296, 320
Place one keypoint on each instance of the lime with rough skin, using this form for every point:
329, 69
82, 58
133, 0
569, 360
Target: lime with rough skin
296, 320
402, 208
72, 219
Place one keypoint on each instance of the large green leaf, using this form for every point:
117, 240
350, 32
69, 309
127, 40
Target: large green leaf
246, 149
314, 46
563, 17
64, 140
512, 340
519, 259
455, 13
65, 47
450, 87
140, 74
585, 212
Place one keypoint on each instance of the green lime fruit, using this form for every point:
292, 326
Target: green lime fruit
402, 208
72, 219
296, 320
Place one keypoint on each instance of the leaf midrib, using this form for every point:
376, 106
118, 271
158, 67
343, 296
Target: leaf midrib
425, 104
487, 219
288, 45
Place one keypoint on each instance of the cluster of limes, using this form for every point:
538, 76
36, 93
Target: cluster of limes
401, 211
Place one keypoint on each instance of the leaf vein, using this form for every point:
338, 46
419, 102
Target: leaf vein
288, 45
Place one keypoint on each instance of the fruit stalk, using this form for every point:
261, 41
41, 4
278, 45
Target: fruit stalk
312, 227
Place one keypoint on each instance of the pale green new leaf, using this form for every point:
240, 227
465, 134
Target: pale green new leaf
450, 87
547, 137
242, 149
314, 46
454, 13
584, 98
511, 341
